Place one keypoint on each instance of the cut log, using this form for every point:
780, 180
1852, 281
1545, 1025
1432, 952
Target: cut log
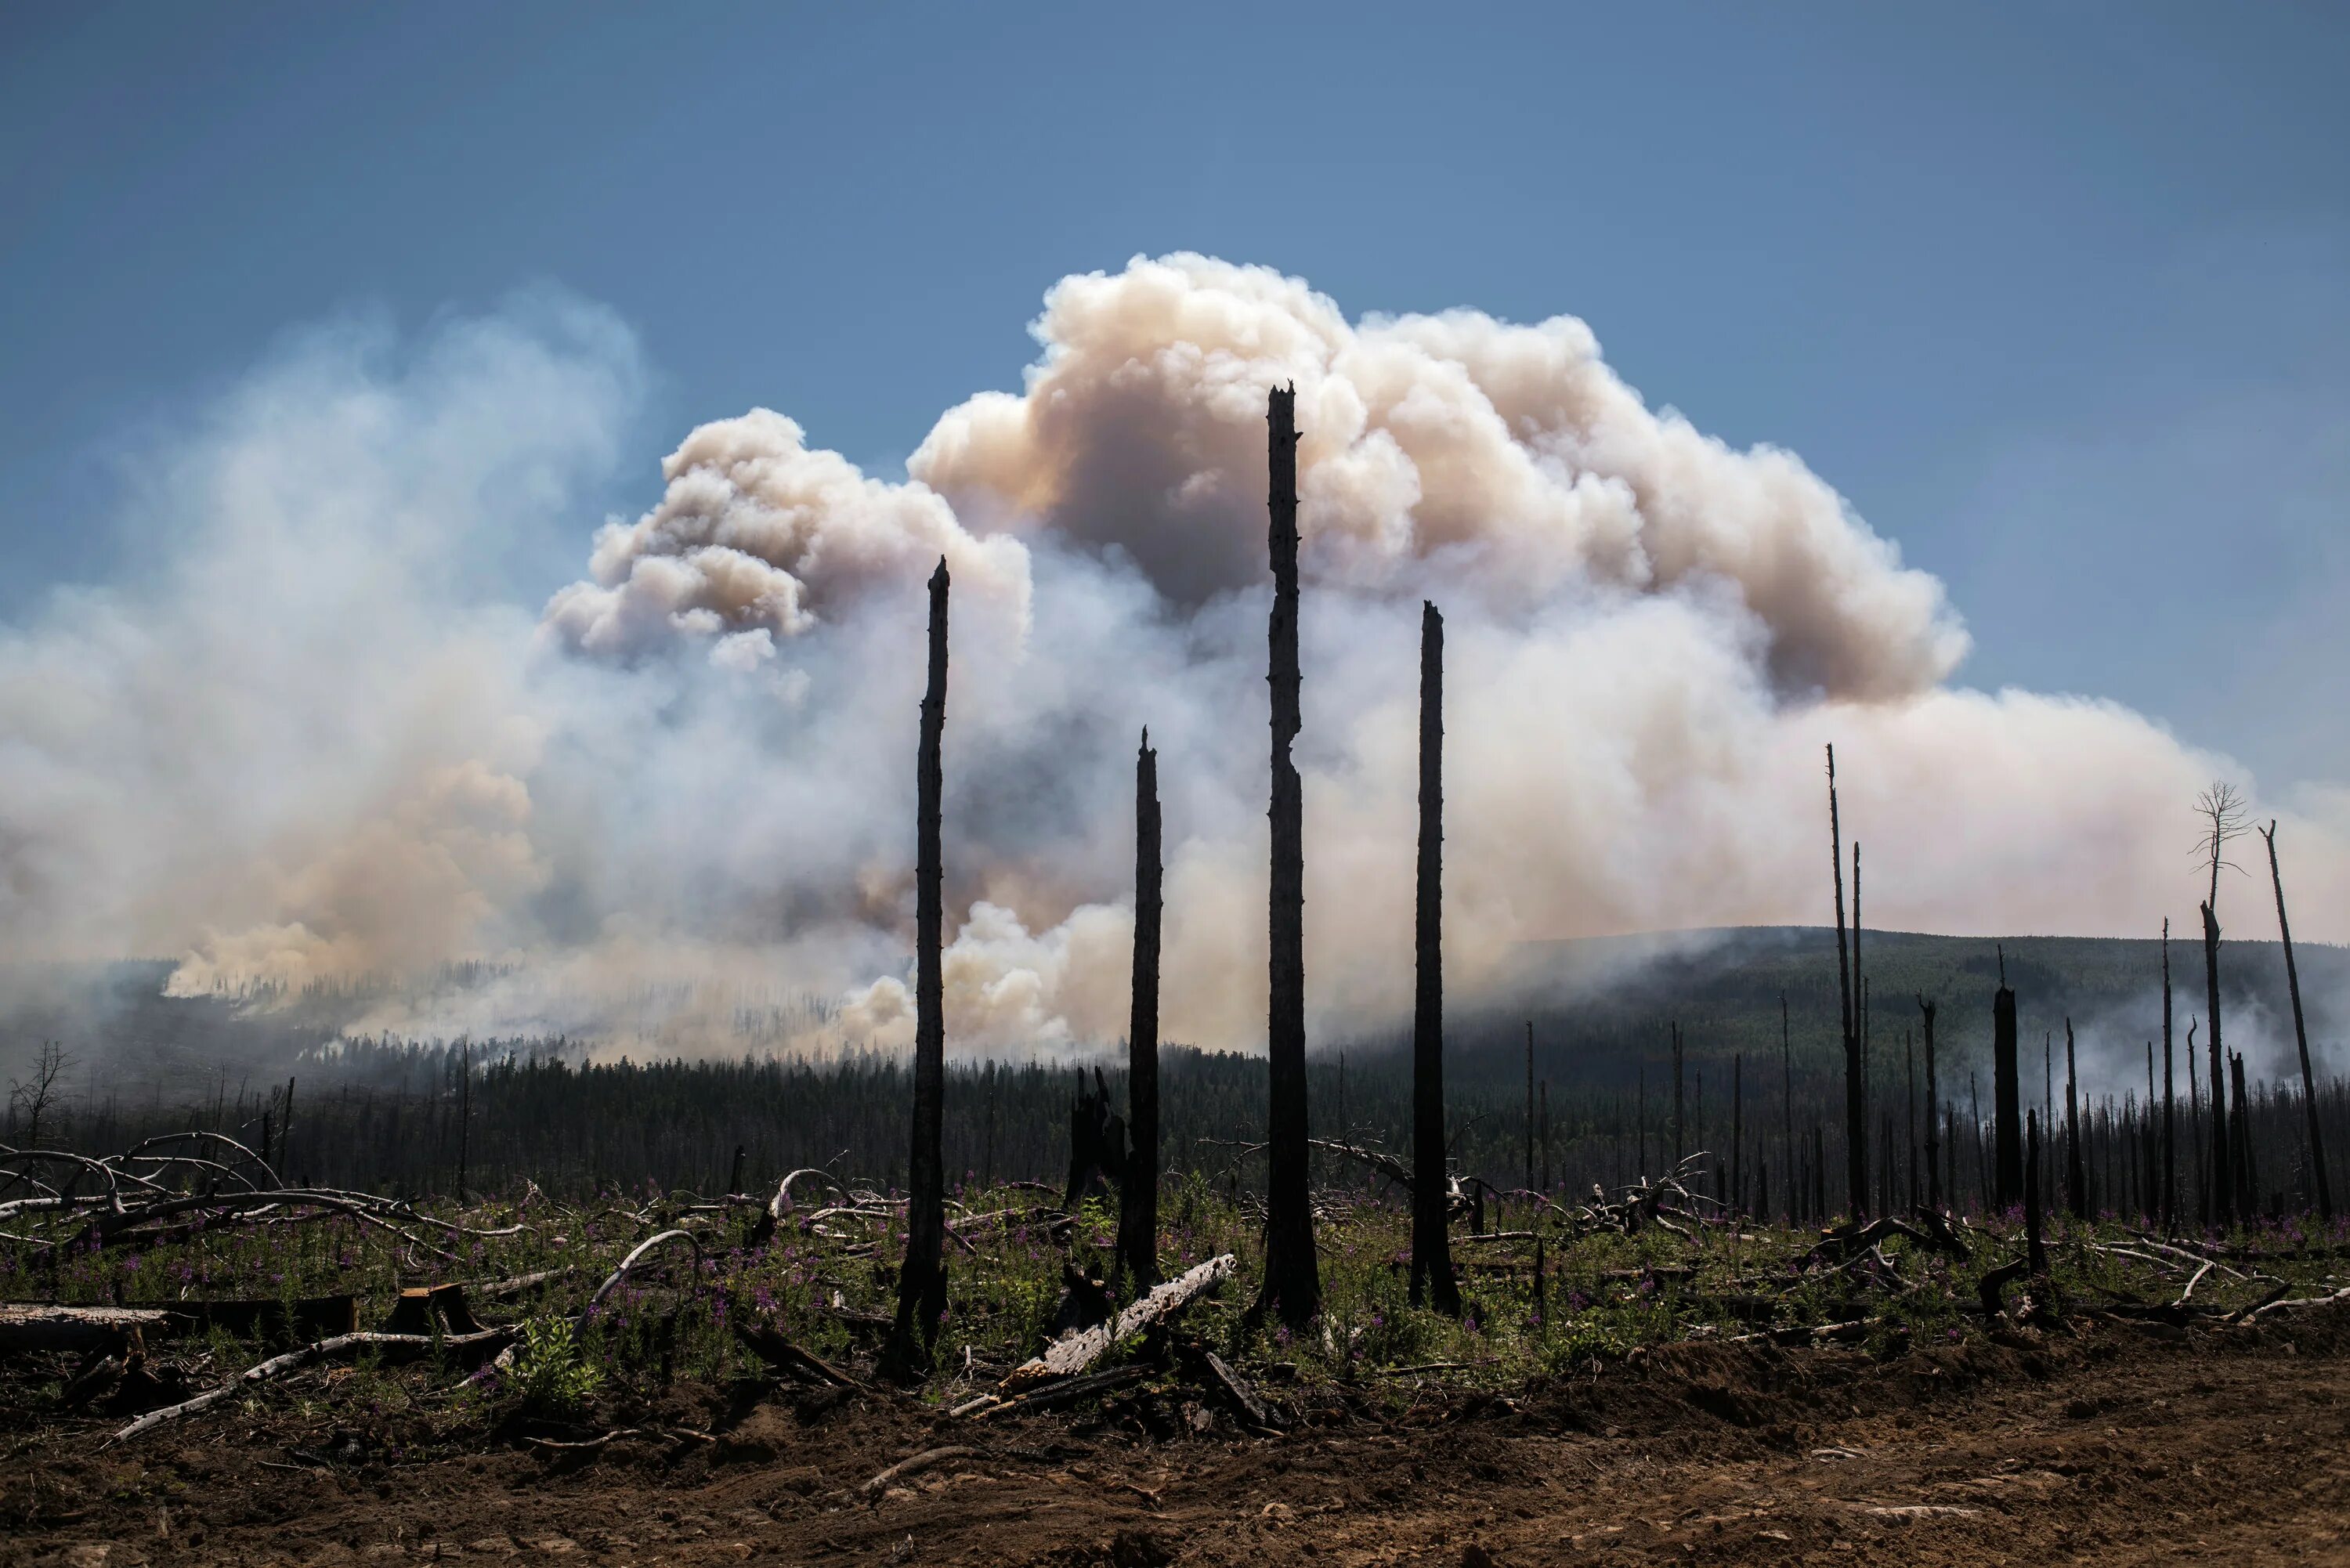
26, 1328
1076, 1353
420, 1307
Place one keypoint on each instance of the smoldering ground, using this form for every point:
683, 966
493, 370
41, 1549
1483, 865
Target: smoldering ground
310, 730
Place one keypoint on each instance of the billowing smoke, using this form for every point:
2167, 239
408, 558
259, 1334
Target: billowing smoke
301, 741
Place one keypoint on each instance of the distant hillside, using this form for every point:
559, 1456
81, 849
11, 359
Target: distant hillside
1600, 1006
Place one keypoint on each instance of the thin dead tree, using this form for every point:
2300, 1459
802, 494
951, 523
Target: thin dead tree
1293, 1274
1787, 1104
1737, 1131
1855, 1107
1909, 1098
1530, 1096
2301, 1038
1859, 1128
2222, 811
922, 1278
2077, 1188
1933, 1109
2169, 1100
1679, 1102
1137, 1215
1431, 1247
2007, 1097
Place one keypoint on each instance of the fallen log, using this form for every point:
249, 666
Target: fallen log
1065, 1392
28, 1327
800, 1364
1074, 1353
1223, 1380
393, 1347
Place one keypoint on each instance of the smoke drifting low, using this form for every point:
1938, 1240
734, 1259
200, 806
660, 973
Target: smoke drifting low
300, 739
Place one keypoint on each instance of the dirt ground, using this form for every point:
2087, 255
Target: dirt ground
2107, 1443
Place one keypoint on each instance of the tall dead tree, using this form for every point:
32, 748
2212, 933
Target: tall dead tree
2169, 1100
2007, 1095
1737, 1131
1933, 1110
1431, 1246
2222, 1206
1909, 1097
2037, 1252
1292, 1275
922, 1277
2076, 1189
1855, 1104
1787, 1083
2246, 1176
1530, 1076
1679, 1102
1137, 1213
2222, 811
2299, 1034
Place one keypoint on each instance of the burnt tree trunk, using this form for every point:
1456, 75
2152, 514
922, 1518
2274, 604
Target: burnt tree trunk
1933, 1111
1680, 1102
1855, 1109
2169, 1101
1909, 1097
1738, 1132
1530, 1031
1431, 1250
2037, 1252
2299, 1034
2076, 1187
1787, 1084
2007, 1099
2248, 1175
1292, 1275
2223, 1199
1137, 1215
921, 1278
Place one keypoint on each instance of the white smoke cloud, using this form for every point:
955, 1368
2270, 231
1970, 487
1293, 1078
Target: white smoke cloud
298, 741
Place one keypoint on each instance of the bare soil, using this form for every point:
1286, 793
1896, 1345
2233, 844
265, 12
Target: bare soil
2098, 1444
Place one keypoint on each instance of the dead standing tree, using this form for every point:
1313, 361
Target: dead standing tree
1856, 1100
2169, 1101
1138, 1214
2301, 1037
1933, 1110
1292, 1275
1432, 1253
921, 1278
2076, 1186
2222, 810
2007, 1095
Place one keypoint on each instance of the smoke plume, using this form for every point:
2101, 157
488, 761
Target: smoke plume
301, 738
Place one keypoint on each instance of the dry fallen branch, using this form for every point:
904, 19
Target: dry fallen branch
927, 1460
1076, 1352
394, 1347
629, 1263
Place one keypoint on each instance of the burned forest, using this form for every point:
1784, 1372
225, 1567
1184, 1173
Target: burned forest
896, 1304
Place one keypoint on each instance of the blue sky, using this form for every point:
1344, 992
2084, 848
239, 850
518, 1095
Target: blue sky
2055, 297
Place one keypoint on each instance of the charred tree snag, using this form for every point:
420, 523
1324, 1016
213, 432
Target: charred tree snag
2222, 1196
2169, 1101
1137, 1213
2077, 1188
1787, 1079
1098, 1157
1680, 1103
921, 1278
1855, 1107
1933, 1110
2037, 1249
1431, 1199
2299, 1034
1529, 1060
1292, 1275
2007, 1097
1738, 1132
2248, 1175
